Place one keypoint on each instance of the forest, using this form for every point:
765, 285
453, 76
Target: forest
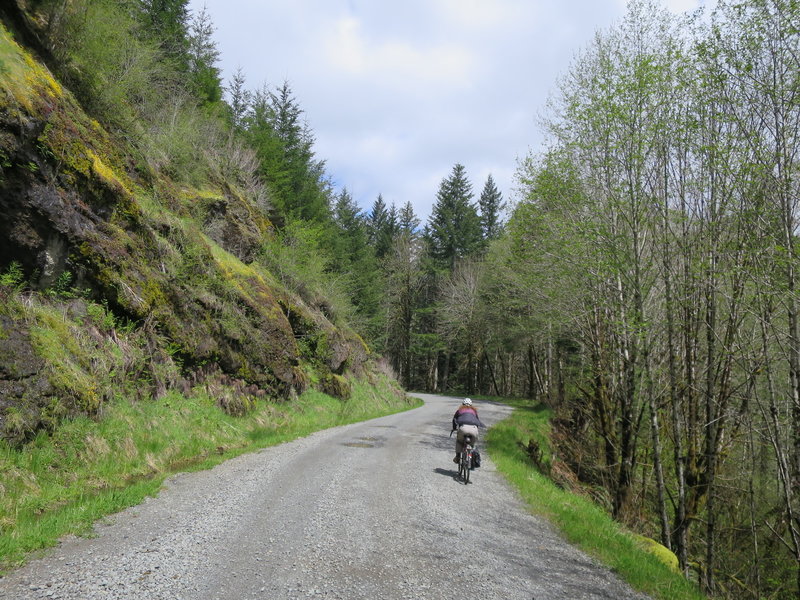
642, 282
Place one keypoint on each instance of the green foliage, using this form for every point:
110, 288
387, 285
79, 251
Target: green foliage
167, 23
203, 57
103, 318
298, 257
382, 227
63, 288
139, 69
582, 522
407, 221
13, 277
354, 261
183, 142
298, 186
84, 368
113, 68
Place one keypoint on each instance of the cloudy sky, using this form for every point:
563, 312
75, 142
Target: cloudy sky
397, 93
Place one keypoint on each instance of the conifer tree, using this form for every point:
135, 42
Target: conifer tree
376, 219
491, 203
407, 220
453, 231
240, 100
203, 57
348, 217
382, 226
297, 181
168, 22
354, 260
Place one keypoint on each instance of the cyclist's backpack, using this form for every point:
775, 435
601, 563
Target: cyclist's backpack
476, 459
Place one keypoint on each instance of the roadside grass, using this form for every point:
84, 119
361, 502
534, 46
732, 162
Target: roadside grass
62, 482
582, 522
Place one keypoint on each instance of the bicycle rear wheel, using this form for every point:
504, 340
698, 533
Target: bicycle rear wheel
467, 464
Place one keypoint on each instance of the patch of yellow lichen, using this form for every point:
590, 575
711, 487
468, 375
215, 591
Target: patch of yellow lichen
191, 193
105, 173
25, 80
248, 281
41, 77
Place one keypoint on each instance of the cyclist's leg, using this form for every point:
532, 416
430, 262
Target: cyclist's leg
459, 444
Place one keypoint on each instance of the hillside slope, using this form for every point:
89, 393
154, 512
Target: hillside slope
119, 281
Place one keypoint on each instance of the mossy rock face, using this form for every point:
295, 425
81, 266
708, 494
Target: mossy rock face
26, 394
338, 349
67, 204
232, 222
336, 386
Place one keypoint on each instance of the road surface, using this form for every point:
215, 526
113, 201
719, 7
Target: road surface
365, 511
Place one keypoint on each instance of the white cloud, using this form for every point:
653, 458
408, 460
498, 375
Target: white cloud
392, 62
482, 16
397, 93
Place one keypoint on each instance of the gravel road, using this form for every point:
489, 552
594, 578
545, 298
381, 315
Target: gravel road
364, 511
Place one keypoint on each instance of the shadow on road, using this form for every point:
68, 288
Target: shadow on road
447, 472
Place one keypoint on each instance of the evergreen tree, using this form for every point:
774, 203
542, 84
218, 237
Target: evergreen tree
377, 219
453, 231
350, 220
354, 260
407, 221
392, 227
382, 224
240, 100
491, 203
298, 185
203, 57
167, 21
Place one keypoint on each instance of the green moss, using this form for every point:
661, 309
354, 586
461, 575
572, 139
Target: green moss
661, 552
25, 81
153, 295
336, 386
69, 137
106, 174
68, 363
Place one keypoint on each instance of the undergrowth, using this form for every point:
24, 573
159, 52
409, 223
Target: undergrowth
582, 522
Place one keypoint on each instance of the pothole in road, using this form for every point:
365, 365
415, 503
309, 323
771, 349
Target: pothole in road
358, 445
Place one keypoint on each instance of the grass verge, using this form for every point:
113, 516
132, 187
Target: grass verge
62, 482
582, 522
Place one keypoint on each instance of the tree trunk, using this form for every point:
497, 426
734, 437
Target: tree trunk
531, 373
491, 373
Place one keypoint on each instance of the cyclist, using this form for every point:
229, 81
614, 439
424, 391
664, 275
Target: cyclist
465, 422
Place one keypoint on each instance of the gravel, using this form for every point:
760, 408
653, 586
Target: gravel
371, 510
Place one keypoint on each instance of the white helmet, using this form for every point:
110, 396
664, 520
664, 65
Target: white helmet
467, 402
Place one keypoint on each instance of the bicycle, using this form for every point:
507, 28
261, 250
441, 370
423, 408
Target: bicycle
465, 459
